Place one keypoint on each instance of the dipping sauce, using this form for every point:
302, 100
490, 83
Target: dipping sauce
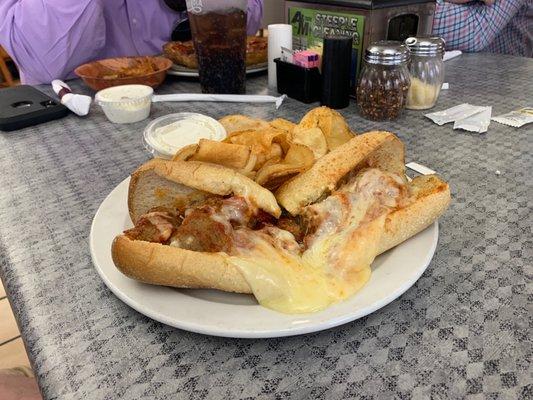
164, 136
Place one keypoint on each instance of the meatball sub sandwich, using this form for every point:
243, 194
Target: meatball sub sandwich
200, 225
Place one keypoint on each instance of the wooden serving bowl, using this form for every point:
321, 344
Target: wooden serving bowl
93, 73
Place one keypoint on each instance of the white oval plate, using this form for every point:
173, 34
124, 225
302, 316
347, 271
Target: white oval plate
236, 315
180, 70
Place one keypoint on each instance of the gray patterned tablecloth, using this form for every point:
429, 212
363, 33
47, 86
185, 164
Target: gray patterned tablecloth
464, 330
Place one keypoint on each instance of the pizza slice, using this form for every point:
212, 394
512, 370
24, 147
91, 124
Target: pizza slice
182, 53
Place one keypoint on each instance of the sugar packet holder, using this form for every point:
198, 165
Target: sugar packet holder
302, 58
300, 83
231, 98
516, 118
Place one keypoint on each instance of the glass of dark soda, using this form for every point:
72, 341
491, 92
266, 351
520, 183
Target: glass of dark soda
219, 35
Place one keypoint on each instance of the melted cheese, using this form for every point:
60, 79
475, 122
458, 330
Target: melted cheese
333, 268
283, 281
336, 263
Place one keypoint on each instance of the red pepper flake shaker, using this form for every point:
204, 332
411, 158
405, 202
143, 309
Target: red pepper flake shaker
384, 81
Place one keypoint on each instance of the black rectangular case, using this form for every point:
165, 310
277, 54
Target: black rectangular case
23, 106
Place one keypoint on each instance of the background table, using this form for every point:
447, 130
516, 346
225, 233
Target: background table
463, 330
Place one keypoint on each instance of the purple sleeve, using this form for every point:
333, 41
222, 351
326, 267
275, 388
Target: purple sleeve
255, 15
471, 27
47, 39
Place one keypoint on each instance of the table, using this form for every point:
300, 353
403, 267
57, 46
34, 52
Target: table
462, 331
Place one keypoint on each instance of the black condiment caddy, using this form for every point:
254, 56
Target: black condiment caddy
297, 82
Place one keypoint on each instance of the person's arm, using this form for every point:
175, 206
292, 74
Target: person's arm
472, 26
255, 15
47, 39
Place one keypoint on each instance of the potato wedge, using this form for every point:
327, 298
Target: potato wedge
283, 124
227, 154
298, 159
331, 123
234, 123
185, 153
312, 138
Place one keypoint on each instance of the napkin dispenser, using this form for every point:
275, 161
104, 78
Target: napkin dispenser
366, 21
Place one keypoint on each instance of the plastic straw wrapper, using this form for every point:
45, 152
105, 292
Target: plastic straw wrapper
478, 122
77, 103
455, 113
421, 169
448, 55
516, 118
231, 98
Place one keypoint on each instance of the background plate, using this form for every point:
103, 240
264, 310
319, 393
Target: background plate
236, 315
180, 70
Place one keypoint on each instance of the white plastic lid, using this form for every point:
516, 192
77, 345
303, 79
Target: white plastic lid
164, 136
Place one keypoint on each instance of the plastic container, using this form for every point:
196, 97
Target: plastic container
125, 104
427, 71
303, 84
384, 81
164, 136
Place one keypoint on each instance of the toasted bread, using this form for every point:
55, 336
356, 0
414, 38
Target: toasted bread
376, 149
170, 183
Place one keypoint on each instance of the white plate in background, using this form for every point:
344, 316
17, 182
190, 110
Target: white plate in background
180, 70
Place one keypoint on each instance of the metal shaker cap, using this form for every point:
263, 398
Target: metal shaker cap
387, 52
425, 46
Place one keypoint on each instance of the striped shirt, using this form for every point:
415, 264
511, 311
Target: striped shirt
504, 27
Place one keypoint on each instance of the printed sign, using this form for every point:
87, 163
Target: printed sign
309, 26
